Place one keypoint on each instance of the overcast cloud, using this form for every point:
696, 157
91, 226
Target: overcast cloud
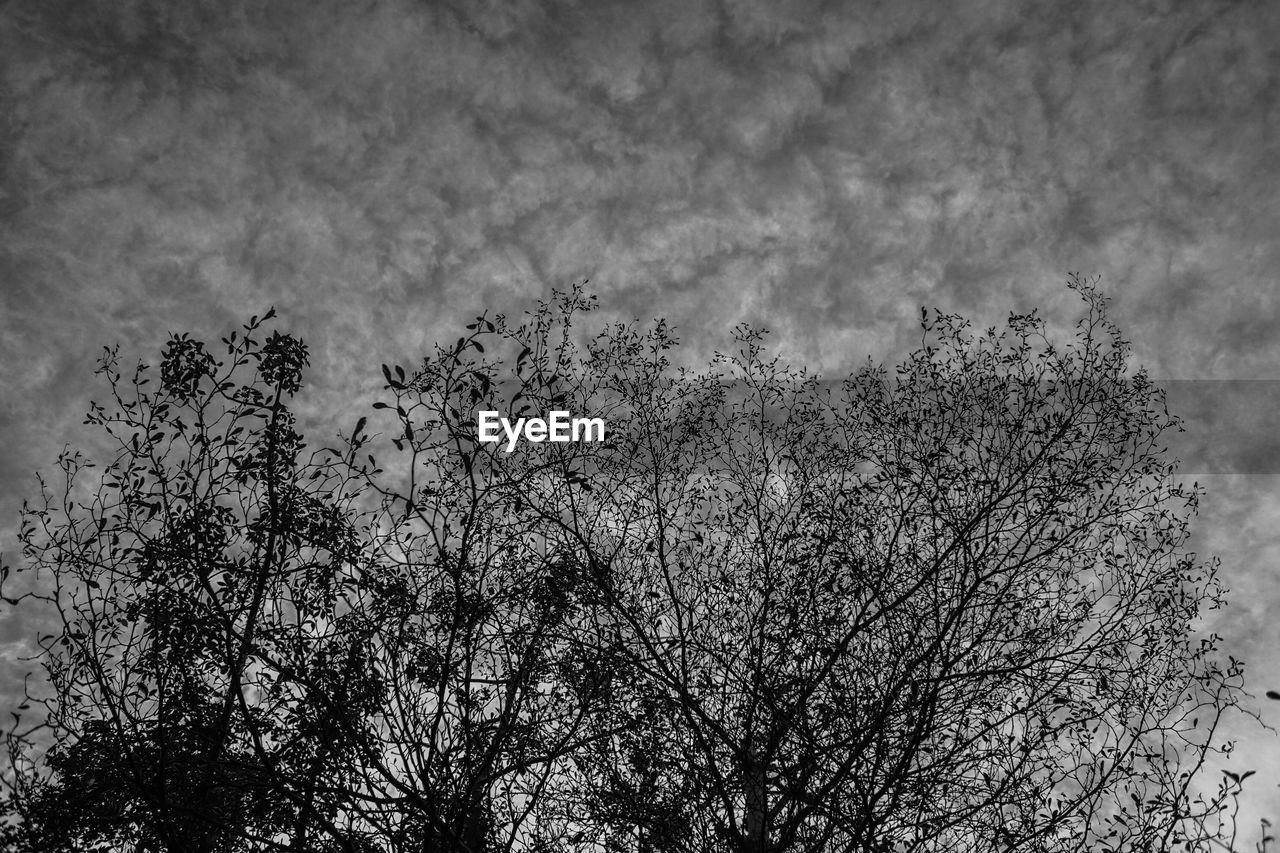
379, 171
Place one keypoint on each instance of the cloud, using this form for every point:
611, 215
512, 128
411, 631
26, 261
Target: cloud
380, 172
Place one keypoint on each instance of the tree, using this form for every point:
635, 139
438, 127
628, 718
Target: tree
179, 582
473, 611
255, 654
951, 608
947, 607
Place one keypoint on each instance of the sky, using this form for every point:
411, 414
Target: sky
381, 172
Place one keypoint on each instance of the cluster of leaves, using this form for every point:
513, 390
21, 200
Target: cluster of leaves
945, 607
188, 671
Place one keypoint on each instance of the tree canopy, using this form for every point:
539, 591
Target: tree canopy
948, 605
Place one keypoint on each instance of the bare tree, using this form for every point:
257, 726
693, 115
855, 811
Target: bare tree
949, 606
473, 613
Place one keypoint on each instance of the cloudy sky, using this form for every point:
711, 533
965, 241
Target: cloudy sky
379, 171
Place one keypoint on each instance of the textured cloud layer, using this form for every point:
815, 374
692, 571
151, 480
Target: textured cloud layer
379, 171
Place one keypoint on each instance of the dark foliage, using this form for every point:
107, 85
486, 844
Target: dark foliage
944, 607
